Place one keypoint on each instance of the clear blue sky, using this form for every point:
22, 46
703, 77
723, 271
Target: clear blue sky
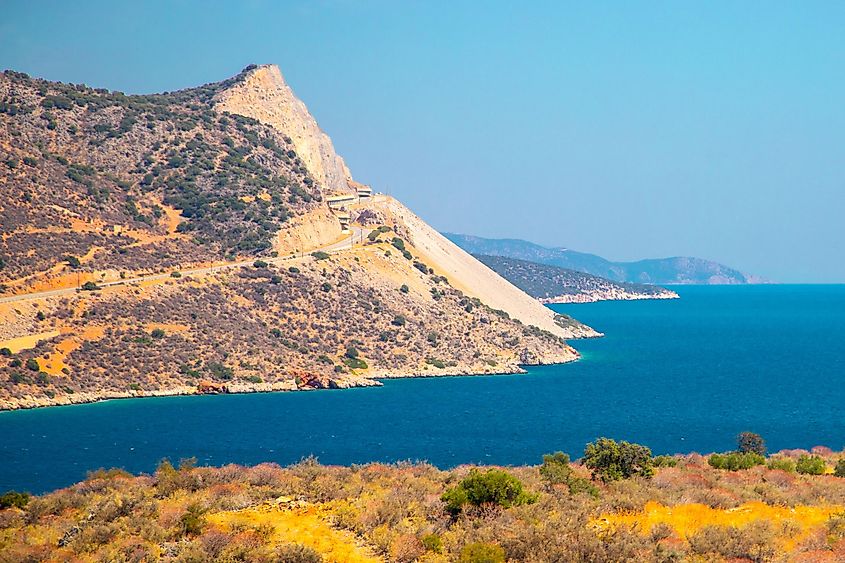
632, 130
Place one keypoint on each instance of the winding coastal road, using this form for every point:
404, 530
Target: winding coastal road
355, 237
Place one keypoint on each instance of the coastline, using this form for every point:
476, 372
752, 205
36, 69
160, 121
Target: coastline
372, 379
594, 297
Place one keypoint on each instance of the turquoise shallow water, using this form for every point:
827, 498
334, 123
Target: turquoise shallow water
682, 375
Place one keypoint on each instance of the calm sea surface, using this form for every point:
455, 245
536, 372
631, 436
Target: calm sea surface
679, 376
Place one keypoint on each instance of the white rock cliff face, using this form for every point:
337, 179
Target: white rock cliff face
264, 95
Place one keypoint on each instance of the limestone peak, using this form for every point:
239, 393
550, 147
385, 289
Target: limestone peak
263, 94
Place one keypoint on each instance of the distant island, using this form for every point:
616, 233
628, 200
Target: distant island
660, 271
552, 284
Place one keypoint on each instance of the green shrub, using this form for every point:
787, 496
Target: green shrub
355, 363
320, 255
90, 286
433, 543
839, 471
72, 261
220, 371
157, 333
398, 320
404, 288
32, 365
810, 465
14, 498
493, 487
482, 553
749, 442
4, 351
734, 461
439, 364
782, 464
665, 461
193, 521
610, 460
259, 264
557, 471
398, 243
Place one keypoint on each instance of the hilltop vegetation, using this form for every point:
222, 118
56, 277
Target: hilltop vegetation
551, 284
621, 505
86, 159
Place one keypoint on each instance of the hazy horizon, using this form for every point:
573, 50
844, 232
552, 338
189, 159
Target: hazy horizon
635, 132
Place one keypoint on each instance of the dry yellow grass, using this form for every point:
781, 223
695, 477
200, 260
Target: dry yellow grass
306, 525
28, 341
54, 364
687, 519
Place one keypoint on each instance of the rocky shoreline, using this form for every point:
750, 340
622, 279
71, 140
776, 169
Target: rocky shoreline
595, 296
371, 380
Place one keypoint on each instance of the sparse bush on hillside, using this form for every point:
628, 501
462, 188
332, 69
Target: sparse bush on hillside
665, 461
320, 255
782, 464
556, 470
735, 461
810, 465
72, 261
610, 460
14, 499
489, 488
482, 553
839, 470
296, 553
753, 542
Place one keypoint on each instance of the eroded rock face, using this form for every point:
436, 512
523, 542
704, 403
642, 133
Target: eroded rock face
264, 95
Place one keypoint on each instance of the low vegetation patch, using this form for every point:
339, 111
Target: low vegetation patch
681, 509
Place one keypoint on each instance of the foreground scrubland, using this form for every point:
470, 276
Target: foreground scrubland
617, 504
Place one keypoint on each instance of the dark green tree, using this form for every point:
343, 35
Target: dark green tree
493, 487
750, 442
610, 460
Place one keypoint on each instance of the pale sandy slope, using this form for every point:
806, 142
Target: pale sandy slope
471, 276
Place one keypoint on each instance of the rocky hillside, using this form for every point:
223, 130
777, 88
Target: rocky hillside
551, 284
677, 270
183, 242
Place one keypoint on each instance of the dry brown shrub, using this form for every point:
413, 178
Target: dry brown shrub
756, 541
214, 541
406, 548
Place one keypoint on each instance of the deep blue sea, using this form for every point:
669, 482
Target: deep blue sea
679, 376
